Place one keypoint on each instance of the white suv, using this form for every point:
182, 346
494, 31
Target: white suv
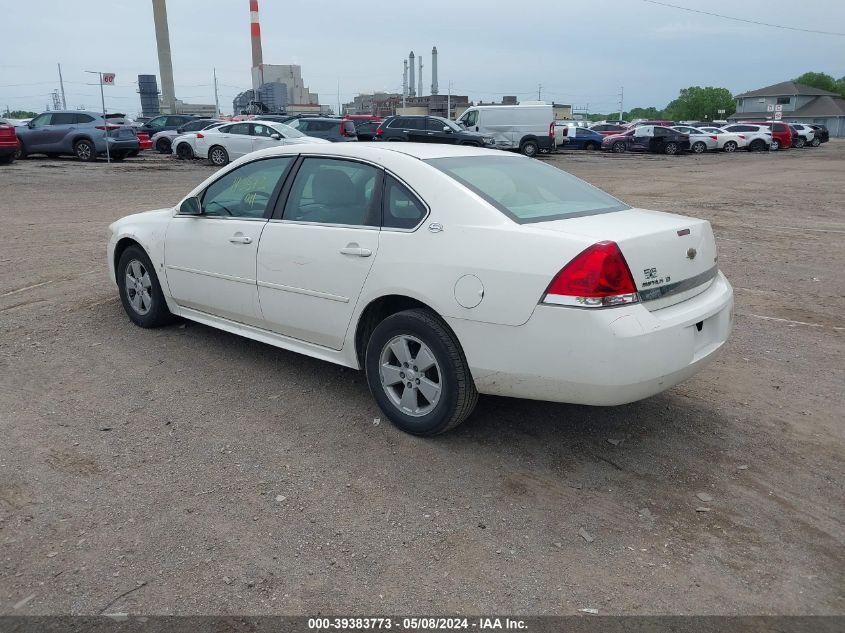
758, 137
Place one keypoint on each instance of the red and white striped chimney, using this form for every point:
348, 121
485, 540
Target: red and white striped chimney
255, 37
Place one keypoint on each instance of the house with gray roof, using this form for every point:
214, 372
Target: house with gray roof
799, 103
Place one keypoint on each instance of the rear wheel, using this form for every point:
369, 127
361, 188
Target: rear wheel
418, 374
757, 145
163, 146
218, 156
134, 153
730, 146
140, 292
775, 144
799, 142
20, 153
184, 151
698, 147
591, 147
119, 156
7, 159
85, 150
529, 148
815, 142
618, 147
671, 148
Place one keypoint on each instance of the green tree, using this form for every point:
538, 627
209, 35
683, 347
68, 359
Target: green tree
822, 81
702, 104
20, 114
840, 86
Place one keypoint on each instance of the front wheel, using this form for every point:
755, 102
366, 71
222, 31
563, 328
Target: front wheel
730, 146
418, 374
218, 156
775, 145
163, 146
815, 142
140, 292
671, 149
529, 148
698, 148
618, 147
799, 142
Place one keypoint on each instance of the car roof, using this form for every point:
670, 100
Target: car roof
372, 151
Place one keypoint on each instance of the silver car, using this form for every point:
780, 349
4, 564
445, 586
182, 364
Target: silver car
79, 133
699, 140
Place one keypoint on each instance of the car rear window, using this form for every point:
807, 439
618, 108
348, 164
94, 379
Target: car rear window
527, 190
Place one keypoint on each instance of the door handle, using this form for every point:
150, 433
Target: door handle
240, 239
354, 249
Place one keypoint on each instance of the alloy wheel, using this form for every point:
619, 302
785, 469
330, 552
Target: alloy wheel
218, 157
410, 375
730, 146
138, 287
83, 151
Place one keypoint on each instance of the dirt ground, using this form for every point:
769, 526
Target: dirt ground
188, 471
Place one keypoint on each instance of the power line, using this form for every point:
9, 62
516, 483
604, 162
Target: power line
728, 17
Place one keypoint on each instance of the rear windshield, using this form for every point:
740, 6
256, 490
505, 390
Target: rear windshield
527, 190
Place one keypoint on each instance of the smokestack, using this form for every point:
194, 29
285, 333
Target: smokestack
255, 38
420, 77
165, 64
411, 88
434, 89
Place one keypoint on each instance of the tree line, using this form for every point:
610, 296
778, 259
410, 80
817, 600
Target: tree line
698, 103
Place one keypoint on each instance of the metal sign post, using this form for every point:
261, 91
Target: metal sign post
105, 79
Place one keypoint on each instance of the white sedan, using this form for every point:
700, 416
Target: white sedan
442, 271
235, 140
727, 141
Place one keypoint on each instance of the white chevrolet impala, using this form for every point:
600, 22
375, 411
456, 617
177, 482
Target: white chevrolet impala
441, 271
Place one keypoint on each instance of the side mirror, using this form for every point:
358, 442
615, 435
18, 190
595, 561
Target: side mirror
447, 129
30, 125
276, 137
190, 206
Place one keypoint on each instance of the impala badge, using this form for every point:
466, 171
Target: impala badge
691, 253
435, 227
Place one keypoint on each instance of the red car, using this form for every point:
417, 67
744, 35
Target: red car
144, 141
608, 129
8, 144
781, 134
661, 122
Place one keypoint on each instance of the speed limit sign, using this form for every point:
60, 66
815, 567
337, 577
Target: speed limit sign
108, 79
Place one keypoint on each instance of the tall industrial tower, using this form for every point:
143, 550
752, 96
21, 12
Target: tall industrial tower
165, 64
255, 38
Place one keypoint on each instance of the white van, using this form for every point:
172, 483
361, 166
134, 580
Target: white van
527, 128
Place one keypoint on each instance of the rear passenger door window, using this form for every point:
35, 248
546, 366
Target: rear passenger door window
402, 209
331, 191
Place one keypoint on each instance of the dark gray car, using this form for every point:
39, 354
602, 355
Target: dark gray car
78, 133
333, 130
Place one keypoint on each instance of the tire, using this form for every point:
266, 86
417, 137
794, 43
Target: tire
20, 154
135, 264
815, 142
697, 148
118, 157
590, 147
85, 150
134, 153
184, 151
618, 147
775, 145
163, 146
729, 147
757, 145
218, 156
8, 159
529, 148
670, 149
419, 333
799, 142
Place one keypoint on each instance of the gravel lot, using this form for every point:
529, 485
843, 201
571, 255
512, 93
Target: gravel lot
204, 473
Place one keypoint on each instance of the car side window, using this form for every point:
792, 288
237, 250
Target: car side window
397, 123
402, 209
41, 120
331, 191
63, 118
84, 118
471, 118
245, 191
262, 130
239, 128
435, 125
157, 122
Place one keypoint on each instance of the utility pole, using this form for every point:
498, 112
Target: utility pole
105, 121
539, 91
621, 101
338, 98
216, 96
449, 102
62, 86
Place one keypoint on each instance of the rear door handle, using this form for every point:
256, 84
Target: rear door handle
354, 249
240, 239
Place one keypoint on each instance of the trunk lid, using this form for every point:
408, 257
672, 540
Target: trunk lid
672, 257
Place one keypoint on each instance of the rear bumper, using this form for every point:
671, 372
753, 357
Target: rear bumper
119, 145
8, 148
598, 357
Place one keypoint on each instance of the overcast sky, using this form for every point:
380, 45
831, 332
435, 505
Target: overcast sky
581, 52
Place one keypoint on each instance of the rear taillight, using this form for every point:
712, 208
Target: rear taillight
714, 137
342, 130
598, 277
107, 127
200, 135
552, 129
742, 136
379, 131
